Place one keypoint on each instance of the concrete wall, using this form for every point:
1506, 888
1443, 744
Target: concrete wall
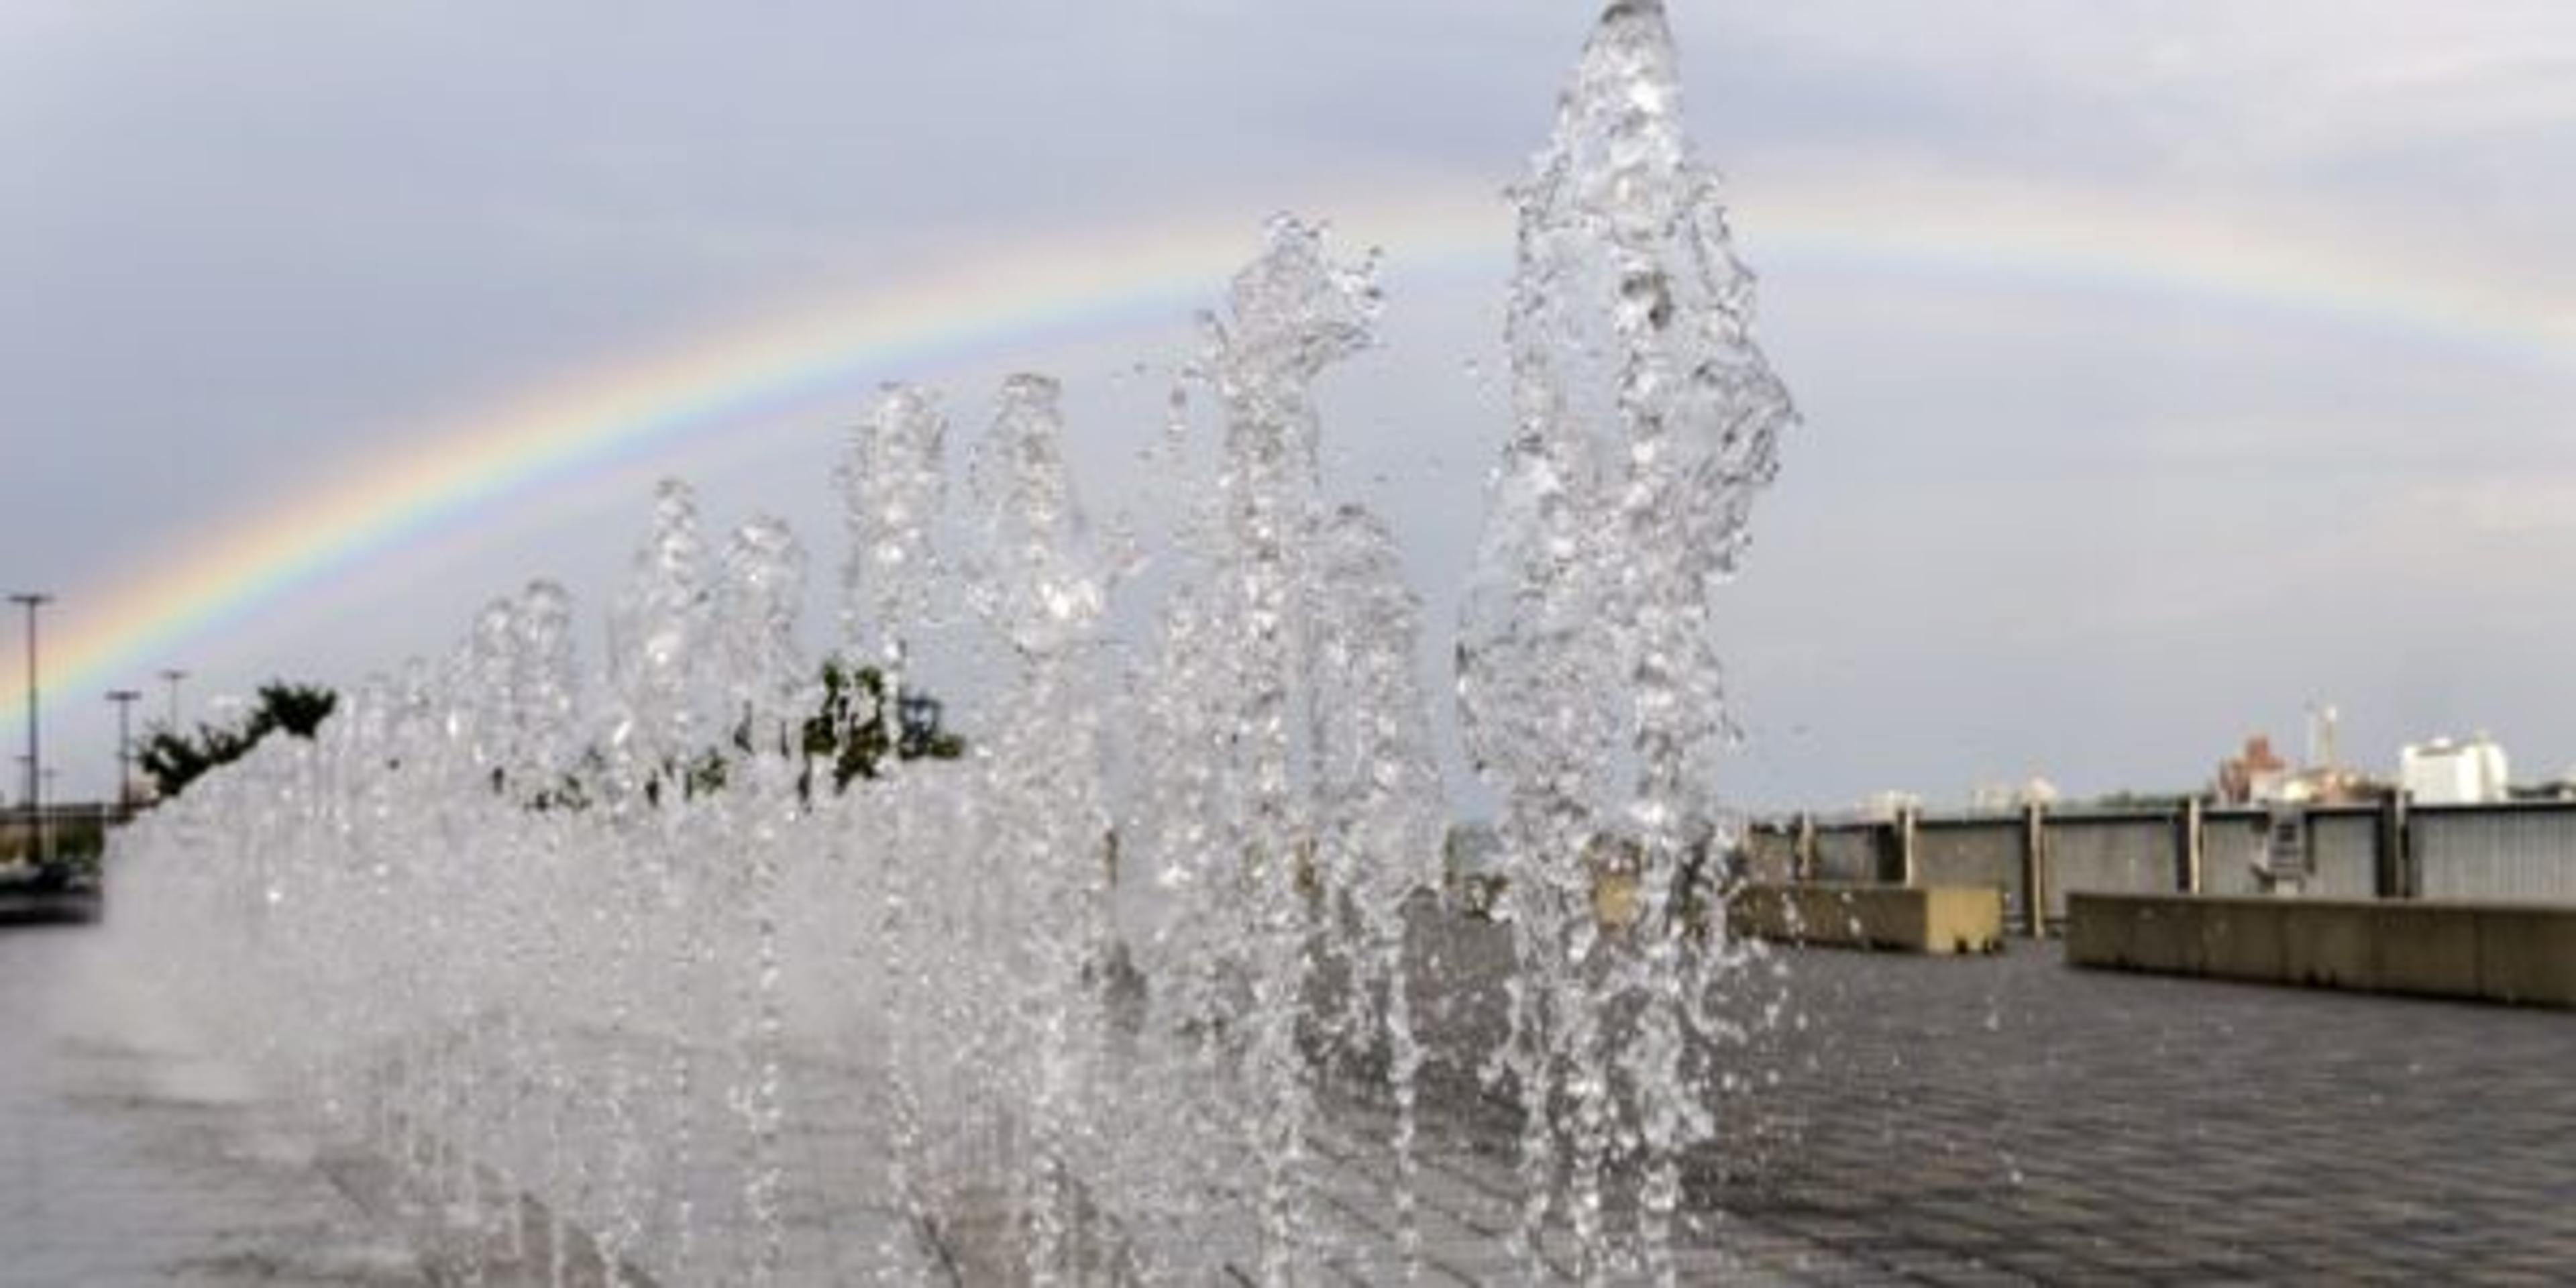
1905, 918
2343, 853
1853, 853
2120, 853
2521, 853
1770, 853
2231, 846
1975, 851
2494, 952
2516, 853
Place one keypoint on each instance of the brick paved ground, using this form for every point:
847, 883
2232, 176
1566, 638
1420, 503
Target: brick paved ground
2011, 1120
1999, 1120
1988, 1120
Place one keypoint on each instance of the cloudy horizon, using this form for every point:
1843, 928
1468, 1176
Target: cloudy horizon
2165, 367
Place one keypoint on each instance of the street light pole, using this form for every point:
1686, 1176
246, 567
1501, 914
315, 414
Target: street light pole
124, 700
171, 676
31, 601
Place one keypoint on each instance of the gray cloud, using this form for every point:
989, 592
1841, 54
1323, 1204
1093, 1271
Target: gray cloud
2031, 525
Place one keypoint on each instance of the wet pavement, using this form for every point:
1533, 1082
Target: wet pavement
1946, 1121
126, 1160
2013, 1120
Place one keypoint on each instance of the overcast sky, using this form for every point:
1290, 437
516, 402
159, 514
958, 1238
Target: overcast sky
2166, 365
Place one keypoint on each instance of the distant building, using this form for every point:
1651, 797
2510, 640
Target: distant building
2443, 772
1997, 798
2254, 774
2328, 785
1889, 804
2259, 776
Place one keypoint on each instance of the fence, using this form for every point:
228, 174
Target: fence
2523, 852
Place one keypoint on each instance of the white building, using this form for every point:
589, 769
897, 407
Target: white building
1889, 804
1999, 798
2443, 772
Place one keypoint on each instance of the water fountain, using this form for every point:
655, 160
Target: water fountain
658, 976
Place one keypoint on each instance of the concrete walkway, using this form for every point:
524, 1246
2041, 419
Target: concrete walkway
124, 1161
1976, 1121
2012, 1120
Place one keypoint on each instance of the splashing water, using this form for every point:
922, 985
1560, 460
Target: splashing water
730, 966
1646, 424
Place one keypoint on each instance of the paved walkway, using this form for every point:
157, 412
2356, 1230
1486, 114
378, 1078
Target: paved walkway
1979, 1121
2013, 1120
125, 1162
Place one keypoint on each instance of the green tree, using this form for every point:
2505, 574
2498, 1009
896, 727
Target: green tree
842, 741
298, 709
173, 760
847, 732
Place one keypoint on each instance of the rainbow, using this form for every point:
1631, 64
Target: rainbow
599, 418
1981, 234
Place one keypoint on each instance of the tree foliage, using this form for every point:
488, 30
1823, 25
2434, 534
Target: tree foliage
173, 760
844, 740
847, 732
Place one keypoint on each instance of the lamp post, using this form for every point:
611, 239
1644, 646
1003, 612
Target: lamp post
47, 790
171, 676
31, 601
124, 700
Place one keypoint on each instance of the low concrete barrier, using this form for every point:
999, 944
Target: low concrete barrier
1922, 919
44, 908
2520, 953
